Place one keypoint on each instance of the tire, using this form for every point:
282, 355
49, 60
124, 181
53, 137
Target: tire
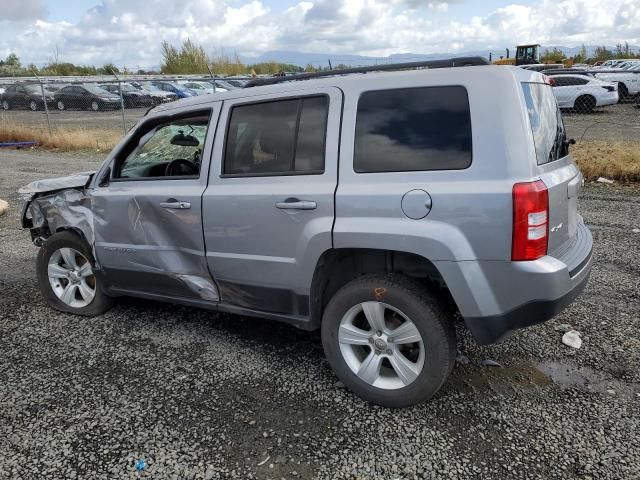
5, 105
60, 104
33, 106
623, 92
584, 104
400, 300
70, 294
95, 106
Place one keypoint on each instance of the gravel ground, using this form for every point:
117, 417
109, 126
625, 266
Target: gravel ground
201, 395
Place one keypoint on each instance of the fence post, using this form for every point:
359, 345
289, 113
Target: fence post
124, 124
46, 107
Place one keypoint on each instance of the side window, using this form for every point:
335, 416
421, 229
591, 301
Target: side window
413, 129
172, 149
580, 81
279, 137
560, 81
11, 89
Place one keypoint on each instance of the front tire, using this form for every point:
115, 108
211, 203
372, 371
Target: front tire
33, 105
388, 340
64, 267
5, 105
61, 106
95, 106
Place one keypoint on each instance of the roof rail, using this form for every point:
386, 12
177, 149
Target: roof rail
445, 63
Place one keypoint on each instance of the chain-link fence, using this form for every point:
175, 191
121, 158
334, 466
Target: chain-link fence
597, 104
95, 111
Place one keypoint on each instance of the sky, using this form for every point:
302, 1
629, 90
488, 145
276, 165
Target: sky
129, 32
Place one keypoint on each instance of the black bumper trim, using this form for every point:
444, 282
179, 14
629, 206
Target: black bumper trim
492, 329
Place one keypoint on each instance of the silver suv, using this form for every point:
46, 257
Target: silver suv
373, 206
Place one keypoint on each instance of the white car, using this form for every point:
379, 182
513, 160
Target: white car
583, 93
628, 80
201, 88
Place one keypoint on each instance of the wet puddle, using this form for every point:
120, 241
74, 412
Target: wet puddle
521, 376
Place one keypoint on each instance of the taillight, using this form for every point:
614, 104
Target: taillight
530, 221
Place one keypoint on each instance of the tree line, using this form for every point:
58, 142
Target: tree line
600, 54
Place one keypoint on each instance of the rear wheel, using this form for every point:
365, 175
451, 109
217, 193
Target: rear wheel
61, 106
584, 104
33, 105
5, 105
388, 340
95, 106
65, 275
623, 92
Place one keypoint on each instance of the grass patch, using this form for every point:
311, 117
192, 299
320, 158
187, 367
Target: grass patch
62, 138
614, 160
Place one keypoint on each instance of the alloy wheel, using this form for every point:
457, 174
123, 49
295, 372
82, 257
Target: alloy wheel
60, 105
33, 105
71, 277
5, 105
381, 345
94, 106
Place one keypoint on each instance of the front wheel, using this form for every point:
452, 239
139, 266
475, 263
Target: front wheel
60, 104
388, 340
65, 275
95, 106
33, 105
5, 105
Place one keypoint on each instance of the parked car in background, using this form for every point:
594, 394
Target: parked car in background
200, 88
87, 96
538, 67
222, 84
583, 93
565, 71
628, 80
158, 95
237, 82
179, 90
131, 96
27, 95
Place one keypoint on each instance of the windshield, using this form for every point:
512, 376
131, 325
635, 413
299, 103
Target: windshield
33, 89
547, 126
128, 88
95, 89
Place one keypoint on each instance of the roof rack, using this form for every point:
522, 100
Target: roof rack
445, 63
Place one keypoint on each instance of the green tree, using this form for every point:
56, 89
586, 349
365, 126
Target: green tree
191, 58
553, 56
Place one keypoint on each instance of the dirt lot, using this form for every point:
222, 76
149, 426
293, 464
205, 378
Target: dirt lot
201, 395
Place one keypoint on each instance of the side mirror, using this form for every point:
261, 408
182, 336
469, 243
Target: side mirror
106, 176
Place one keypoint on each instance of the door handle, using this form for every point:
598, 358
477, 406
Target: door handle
176, 205
295, 204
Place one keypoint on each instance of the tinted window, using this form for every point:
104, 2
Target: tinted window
546, 122
413, 129
280, 137
561, 81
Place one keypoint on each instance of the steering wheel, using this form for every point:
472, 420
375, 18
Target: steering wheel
180, 166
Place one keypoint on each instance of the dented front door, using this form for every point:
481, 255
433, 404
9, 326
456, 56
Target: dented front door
148, 234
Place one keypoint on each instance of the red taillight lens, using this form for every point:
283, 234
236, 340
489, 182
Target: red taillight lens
530, 221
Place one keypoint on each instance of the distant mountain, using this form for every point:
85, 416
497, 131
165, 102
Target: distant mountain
322, 59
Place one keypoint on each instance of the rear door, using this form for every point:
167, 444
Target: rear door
269, 208
555, 167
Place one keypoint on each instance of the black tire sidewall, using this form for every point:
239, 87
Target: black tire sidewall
423, 312
100, 302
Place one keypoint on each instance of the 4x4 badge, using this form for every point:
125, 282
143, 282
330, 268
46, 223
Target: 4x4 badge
557, 227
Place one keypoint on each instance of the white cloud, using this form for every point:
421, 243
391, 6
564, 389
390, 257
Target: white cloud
20, 10
130, 33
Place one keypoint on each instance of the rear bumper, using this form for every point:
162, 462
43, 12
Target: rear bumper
496, 298
609, 98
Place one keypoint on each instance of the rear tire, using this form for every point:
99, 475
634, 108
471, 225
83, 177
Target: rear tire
584, 104
5, 105
95, 106
33, 105
61, 106
65, 280
623, 92
380, 368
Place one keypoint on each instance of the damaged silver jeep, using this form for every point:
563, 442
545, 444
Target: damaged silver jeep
373, 207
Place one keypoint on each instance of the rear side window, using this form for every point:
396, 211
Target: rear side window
277, 138
546, 122
413, 129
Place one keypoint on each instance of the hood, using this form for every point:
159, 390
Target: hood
75, 180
